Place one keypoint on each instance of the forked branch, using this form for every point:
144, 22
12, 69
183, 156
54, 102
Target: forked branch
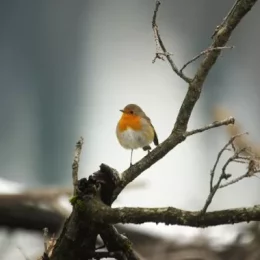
236, 157
240, 9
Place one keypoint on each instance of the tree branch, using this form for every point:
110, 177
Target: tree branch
160, 47
117, 242
241, 8
131, 173
229, 121
223, 175
29, 217
203, 53
79, 235
212, 174
175, 216
75, 164
234, 180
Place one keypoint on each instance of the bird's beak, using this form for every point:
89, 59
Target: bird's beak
122, 110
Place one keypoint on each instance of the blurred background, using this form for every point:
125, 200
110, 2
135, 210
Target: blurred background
67, 67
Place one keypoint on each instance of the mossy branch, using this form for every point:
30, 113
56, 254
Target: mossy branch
173, 216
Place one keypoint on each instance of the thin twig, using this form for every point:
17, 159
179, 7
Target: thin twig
245, 158
203, 53
45, 240
75, 165
46, 246
155, 29
229, 121
231, 159
234, 180
161, 51
240, 161
218, 158
223, 175
253, 168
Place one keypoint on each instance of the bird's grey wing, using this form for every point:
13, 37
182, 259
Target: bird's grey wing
155, 139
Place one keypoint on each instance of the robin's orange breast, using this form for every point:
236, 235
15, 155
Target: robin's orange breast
129, 121
134, 132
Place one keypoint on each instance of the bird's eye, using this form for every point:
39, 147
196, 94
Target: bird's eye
131, 112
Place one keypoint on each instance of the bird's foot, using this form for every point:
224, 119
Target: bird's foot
147, 148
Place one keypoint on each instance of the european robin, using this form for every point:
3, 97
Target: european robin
135, 130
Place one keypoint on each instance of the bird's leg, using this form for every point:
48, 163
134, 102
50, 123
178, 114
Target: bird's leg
147, 148
131, 157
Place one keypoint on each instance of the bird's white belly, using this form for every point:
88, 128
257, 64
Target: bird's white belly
131, 139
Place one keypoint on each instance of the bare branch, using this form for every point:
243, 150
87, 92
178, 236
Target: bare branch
193, 94
203, 53
223, 175
224, 20
220, 40
229, 121
253, 169
234, 180
75, 165
230, 142
49, 244
161, 51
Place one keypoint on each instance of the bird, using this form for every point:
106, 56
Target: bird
135, 130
